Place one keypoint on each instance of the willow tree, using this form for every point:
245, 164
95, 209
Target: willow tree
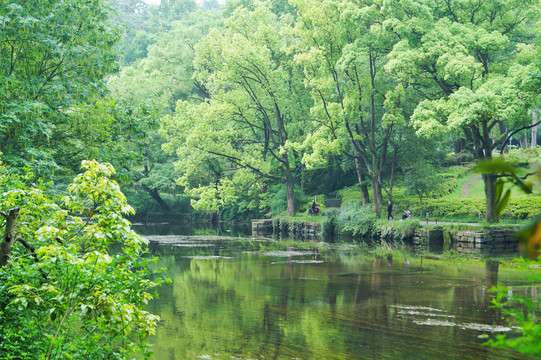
257, 111
471, 62
54, 56
343, 51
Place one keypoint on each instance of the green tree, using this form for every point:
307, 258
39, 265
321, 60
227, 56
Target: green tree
65, 292
468, 61
134, 16
256, 117
343, 50
167, 11
421, 180
53, 57
164, 76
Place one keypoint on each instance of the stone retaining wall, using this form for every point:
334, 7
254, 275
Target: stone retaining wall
492, 242
280, 228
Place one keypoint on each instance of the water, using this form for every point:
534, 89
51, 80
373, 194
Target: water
251, 300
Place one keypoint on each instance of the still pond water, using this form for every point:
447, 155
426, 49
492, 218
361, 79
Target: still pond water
241, 299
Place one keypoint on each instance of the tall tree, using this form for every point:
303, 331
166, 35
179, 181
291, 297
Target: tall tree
134, 17
256, 116
54, 56
469, 61
343, 47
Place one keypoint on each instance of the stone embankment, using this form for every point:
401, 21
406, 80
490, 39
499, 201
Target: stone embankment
491, 242
281, 228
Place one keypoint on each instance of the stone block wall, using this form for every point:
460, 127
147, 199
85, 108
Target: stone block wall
488, 242
491, 242
262, 227
282, 229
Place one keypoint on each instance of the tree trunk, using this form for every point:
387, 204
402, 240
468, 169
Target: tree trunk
9, 236
290, 191
490, 194
525, 141
365, 197
459, 145
535, 119
503, 130
156, 196
376, 195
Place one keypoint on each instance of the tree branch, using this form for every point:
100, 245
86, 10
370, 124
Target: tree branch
514, 132
33, 253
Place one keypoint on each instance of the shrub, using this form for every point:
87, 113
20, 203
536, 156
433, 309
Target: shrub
518, 208
455, 208
451, 175
459, 158
66, 294
357, 219
397, 230
523, 157
329, 225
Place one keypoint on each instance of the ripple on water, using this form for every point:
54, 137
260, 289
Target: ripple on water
427, 315
208, 257
282, 253
299, 262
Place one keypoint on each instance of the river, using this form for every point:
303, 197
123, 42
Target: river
233, 298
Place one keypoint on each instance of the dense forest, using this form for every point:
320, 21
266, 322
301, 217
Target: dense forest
253, 107
240, 110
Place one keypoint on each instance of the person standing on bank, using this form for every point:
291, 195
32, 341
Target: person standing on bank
390, 211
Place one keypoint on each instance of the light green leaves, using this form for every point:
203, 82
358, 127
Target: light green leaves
80, 293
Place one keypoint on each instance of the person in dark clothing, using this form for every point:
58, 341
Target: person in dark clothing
390, 211
314, 208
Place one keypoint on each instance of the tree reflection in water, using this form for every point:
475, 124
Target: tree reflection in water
281, 305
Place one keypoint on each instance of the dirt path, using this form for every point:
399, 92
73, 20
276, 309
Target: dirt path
467, 184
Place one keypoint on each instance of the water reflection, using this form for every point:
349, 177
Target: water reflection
228, 303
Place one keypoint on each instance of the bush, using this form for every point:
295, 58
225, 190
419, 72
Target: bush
459, 158
397, 230
455, 208
524, 157
357, 219
329, 225
66, 294
518, 209
451, 176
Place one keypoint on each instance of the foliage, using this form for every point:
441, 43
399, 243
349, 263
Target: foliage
329, 225
145, 206
474, 72
357, 219
524, 157
133, 15
524, 310
458, 159
422, 181
459, 208
53, 58
278, 201
255, 119
397, 230
79, 289
452, 176
342, 47
165, 75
